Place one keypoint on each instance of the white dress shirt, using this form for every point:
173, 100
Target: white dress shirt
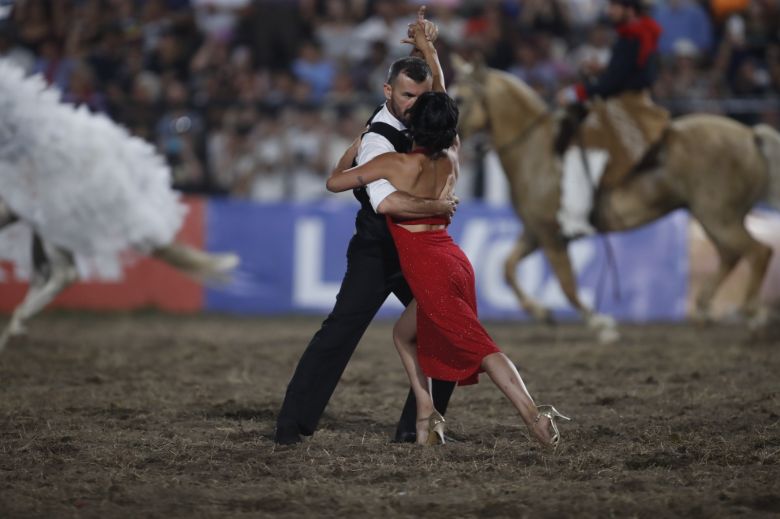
374, 145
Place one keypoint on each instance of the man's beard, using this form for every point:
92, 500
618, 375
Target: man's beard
396, 111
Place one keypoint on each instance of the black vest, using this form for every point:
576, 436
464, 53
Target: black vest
368, 223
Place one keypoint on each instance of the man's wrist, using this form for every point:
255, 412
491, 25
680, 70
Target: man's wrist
439, 207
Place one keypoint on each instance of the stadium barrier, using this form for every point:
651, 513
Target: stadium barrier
293, 258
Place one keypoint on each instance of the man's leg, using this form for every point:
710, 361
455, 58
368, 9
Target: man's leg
362, 292
406, 432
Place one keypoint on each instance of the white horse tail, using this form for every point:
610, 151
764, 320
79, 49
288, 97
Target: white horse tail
199, 264
769, 144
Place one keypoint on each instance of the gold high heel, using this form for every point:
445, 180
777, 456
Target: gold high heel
551, 413
435, 429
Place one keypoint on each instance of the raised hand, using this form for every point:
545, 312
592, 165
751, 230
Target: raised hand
428, 30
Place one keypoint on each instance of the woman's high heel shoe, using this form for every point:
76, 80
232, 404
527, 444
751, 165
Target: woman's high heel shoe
435, 429
551, 413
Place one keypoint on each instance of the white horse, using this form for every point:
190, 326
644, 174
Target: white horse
54, 269
85, 187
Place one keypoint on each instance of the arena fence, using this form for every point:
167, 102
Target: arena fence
293, 258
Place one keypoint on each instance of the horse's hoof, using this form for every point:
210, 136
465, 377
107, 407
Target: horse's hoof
759, 320
546, 316
543, 315
601, 322
16, 329
702, 318
608, 336
4, 338
226, 262
605, 326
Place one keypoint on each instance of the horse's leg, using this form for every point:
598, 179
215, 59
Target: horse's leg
198, 263
558, 255
728, 260
732, 241
6, 216
525, 245
54, 270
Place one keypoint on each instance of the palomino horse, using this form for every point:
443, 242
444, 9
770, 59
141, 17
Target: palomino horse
712, 166
54, 269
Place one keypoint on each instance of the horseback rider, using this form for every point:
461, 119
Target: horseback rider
626, 123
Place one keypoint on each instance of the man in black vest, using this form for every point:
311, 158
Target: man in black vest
373, 270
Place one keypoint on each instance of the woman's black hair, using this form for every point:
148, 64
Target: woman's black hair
433, 122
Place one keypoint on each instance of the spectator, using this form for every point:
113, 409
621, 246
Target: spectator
683, 82
722, 9
82, 89
168, 57
535, 65
269, 177
232, 154
584, 13
52, 64
145, 96
683, 19
370, 73
308, 165
591, 57
38, 21
452, 28
273, 29
217, 19
10, 50
345, 128
335, 30
179, 136
314, 69
226, 87
387, 25
550, 16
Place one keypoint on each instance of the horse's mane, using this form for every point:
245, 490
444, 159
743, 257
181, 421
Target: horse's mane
513, 107
521, 91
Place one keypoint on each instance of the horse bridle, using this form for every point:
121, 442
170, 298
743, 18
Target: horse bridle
481, 100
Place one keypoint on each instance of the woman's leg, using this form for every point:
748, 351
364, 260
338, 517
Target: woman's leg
504, 374
405, 339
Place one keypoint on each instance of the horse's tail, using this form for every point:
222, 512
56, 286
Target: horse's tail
769, 144
201, 265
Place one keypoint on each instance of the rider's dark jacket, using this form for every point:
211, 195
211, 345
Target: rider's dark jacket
633, 65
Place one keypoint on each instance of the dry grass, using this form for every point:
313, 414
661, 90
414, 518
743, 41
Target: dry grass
160, 416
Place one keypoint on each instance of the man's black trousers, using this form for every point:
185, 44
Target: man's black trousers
373, 272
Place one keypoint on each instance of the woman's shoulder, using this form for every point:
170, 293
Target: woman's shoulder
410, 162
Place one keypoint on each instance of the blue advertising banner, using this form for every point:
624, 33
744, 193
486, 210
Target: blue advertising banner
294, 256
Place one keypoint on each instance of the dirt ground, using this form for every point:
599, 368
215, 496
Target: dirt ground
148, 415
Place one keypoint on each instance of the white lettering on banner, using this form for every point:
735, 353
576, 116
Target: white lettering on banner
487, 244
309, 289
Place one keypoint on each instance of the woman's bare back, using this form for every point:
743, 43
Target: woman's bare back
428, 177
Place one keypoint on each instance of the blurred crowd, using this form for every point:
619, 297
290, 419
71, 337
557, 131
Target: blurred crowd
259, 98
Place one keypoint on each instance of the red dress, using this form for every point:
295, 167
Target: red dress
451, 342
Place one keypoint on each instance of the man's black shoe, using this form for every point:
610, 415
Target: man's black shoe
287, 435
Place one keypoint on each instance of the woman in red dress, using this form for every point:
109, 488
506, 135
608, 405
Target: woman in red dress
439, 334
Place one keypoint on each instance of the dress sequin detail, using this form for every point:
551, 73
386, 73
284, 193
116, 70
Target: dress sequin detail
451, 342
